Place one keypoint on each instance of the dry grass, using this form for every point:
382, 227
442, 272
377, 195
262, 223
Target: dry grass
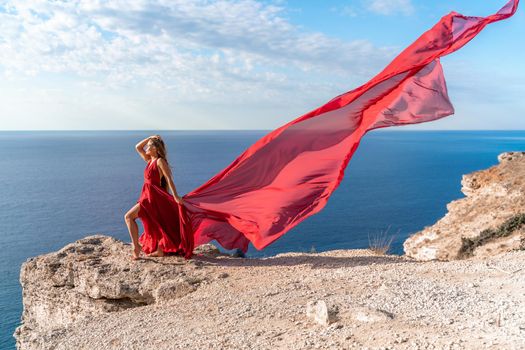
380, 242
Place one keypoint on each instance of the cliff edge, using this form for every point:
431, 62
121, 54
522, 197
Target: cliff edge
490, 220
90, 295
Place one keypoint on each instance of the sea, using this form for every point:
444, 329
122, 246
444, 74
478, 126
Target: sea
60, 186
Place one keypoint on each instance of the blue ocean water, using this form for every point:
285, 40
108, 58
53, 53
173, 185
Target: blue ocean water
60, 186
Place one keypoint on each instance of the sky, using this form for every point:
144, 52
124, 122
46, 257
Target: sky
228, 65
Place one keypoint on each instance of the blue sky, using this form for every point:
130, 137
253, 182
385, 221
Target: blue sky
142, 64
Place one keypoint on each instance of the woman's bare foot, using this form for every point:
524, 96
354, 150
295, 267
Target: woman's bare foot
136, 253
158, 252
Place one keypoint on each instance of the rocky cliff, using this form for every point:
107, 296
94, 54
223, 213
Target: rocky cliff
91, 295
488, 221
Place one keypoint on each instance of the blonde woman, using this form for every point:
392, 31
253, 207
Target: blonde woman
158, 210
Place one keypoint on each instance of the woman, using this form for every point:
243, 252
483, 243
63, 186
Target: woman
158, 210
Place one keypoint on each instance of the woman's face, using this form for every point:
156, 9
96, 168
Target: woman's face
151, 150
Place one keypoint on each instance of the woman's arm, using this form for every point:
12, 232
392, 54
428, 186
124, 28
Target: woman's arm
166, 171
140, 148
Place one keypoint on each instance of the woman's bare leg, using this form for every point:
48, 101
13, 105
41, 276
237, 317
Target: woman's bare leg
133, 229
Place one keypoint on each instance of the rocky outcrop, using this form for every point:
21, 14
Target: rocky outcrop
91, 295
94, 276
488, 221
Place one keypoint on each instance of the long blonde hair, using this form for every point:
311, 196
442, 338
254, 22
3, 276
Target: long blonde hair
162, 152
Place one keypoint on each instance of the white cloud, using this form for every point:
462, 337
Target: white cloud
378, 7
390, 7
227, 55
196, 64
186, 46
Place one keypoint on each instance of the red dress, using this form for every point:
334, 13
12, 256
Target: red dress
164, 220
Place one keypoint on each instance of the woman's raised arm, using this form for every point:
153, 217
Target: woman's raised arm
140, 149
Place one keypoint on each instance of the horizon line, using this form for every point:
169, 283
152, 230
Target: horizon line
101, 130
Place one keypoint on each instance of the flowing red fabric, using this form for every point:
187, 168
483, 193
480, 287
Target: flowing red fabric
290, 173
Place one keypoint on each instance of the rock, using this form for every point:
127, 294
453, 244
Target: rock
92, 276
366, 314
171, 290
321, 313
490, 220
207, 249
223, 275
400, 339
